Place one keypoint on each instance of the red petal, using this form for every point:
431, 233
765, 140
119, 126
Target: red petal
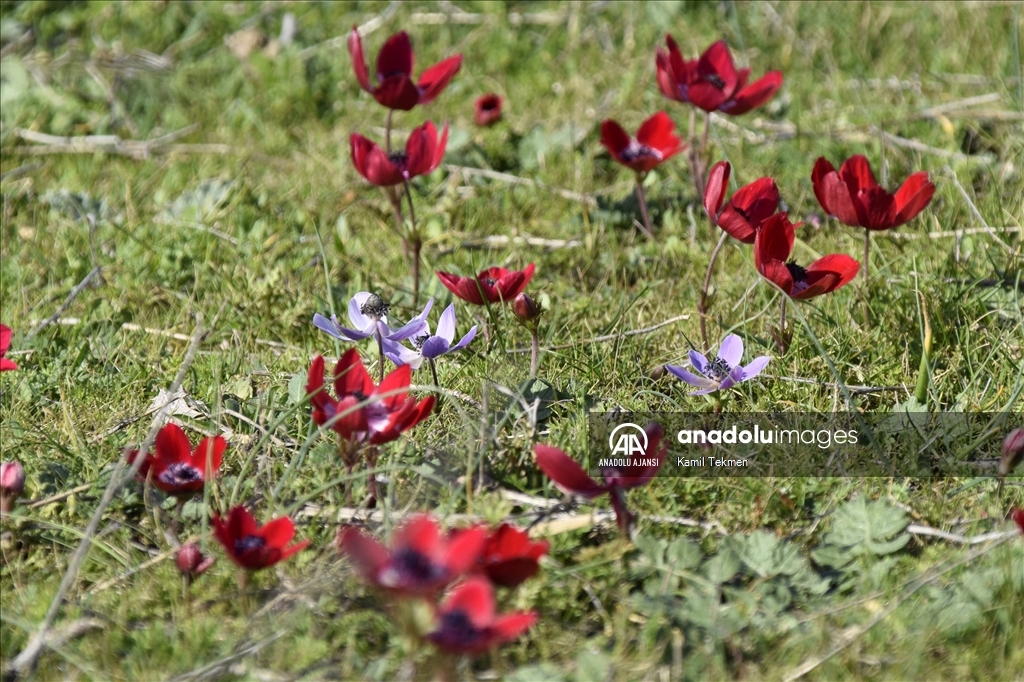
822, 168
294, 549
566, 473
397, 92
774, 240
419, 149
912, 196
421, 534
395, 57
512, 284
439, 150
368, 555
372, 163
395, 387
5, 338
511, 572
658, 132
1018, 517
351, 377
513, 625
614, 138
714, 191
172, 445
464, 549
214, 447
463, 287
475, 598
715, 68
355, 49
876, 208
829, 273
754, 95
277, 533
777, 272
666, 81
241, 522
840, 199
435, 79
856, 173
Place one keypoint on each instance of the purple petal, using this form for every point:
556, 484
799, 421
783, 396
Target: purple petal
699, 362
691, 378
414, 327
401, 355
470, 335
731, 350
355, 305
446, 325
325, 325
707, 390
434, 347
755, 367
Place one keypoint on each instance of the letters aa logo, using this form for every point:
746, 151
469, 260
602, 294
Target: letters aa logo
628, 440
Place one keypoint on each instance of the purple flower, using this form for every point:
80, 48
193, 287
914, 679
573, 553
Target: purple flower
722, 372
427, 346
369, 315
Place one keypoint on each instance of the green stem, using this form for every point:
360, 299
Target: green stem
643, 205
866, 299
534, 353
702, 302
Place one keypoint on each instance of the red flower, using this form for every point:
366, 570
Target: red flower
655, 142
420, 561
571, 478
1018, 516
191, 561
395, 88
509, 557
423, 153
772, 247
749, 206
388, 410
488, 110
176, 468
493, 285
12, 484
854, 196
712, 83
255, 547
469, 624
5, 343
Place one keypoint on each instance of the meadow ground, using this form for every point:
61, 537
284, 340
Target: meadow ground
254, 219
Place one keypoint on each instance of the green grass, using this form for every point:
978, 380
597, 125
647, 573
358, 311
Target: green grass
245, 238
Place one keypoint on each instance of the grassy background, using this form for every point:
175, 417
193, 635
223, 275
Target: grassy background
250, 232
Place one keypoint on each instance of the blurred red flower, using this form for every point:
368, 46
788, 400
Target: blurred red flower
423, 153
5, 343
711, 82
772, 248
421, 561
254, 547
854, 196
176, 468
1018, 516
749, 206
655, 142
191, 562
395, 88
469, 624
487, 110
388, 410
571, 478
510, 557
493, 285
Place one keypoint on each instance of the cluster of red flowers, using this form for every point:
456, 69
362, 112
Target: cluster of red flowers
422, 562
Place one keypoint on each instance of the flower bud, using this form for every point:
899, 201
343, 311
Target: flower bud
488, 110
12, 484
526, 308
191, 562
1012, 451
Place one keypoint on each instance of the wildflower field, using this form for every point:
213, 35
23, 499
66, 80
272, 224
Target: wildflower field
460, 340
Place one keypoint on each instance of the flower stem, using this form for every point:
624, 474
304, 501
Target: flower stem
866, 298
417, 244
433, 371
643, 205
702, 302
380, 350
704, 136
176, 521
387, 132
534, 353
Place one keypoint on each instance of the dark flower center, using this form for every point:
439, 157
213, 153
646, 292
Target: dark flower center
489, 281
375, 306
249, 543
798, 273
412, 564
360, 396
718, 369
398, 158
489, 105
457, 627
715, 80
179, 474
418, 341
635, 151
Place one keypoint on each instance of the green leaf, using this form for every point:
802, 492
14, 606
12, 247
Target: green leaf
297, 388
869, 525
593, 666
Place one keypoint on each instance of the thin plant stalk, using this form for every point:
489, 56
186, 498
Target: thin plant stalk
387, 132
702, 302
417, 245
380, 351
534, 352
176, 521
866, 298
643, 205
433, 372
